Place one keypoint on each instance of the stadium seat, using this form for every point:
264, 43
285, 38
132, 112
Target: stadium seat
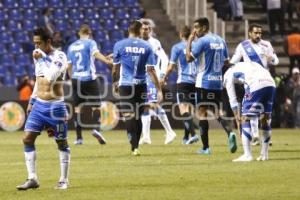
124, 24
135, 13
15, 48
61, 25
23, 60
56, 4
100, 36
59, 14
14, 26
10, 3
30, 14
71, 3
15, 14
110, 25
40, 3
18, 70
29, 25
75, 14
116, 3
86, 3
106, 47
116, 35
131, 3
6, 37
2, 26
91, 14
30, 70
26, 3
2, 70
95, 25
121, 13
10, 79
76, 24
7, 60
106, 13
2, 49
22, 37
102, 3
3, 15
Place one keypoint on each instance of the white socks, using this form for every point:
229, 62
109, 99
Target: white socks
246, 138
64, 158
162, 116
146, 121
254, 127
30, 158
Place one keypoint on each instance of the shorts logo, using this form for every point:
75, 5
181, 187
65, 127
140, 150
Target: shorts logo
12, 116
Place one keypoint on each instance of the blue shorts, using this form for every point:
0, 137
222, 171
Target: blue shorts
151, 92
48, 115
258, 102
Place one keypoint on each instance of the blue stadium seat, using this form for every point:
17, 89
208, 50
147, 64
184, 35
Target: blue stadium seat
106, 47
75, 13
30, 14
91, 14
10, 80
15, 14
121, 13
3, 70
22, 37
116, 35
31, 70
3, 15
18, 70
131, 3
40, 3
26, 3
106, 13
29, 25
124, 24
117, 3
14, 26
100, 36
3, 49
59, 14
2, 26
135, 13
7, 60
71, 3
102, 3
95, 25
15, 48
6, 37
10, 3
61, 25
23, 60
110, 25
56, 4
86, 3
76, 23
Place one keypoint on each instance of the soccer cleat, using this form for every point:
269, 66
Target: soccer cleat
78, 142
262, 158
184, 141
193, 139
170, 137
136, 152
206, 151
61, 185
29, 184
243, 158
232, 142
145, 141
270, 143
255, 141
99, 136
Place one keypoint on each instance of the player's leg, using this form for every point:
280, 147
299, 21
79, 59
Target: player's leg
64, 158
78, 116
146, 123
185, 111
255, 131
204, 126
266, 137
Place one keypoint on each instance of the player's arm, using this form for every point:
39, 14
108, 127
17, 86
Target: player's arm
69, 70
115, 77
164, 78
189, 56
153, 76
237, 56
106, 59
32, 98
272, 57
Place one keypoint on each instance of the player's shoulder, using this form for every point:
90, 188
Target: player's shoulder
59, 54
265, 43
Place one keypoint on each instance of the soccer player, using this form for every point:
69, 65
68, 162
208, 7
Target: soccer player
86, 86
258, 100
185, 84
257, 50
132, 58
211, 50
153, 108
46, 108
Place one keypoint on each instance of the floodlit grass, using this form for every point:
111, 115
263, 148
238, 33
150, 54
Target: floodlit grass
162, 172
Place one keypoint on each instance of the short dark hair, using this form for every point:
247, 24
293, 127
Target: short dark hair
43, 33
185, 32
203, 21
135, 27
252, 26
85, 29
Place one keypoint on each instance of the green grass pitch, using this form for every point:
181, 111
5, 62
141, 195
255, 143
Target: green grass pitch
164, 172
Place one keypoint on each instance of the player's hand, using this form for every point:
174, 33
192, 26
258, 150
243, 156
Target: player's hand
269, 59
29, 108
37, 54
159, 96
192, 35
162, 81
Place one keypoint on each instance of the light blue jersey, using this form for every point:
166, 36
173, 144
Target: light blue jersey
187, 72
80, 55
134, 55
211, 51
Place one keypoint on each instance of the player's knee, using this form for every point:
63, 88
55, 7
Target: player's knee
28, 141
62, 145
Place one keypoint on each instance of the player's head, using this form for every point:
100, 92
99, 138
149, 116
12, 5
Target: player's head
85, 31
185, 32
201, 26
42, 39
135, 28
146, 29
255, 32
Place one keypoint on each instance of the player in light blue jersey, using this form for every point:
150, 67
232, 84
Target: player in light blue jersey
211, 50
86, 87
185, 84
132, 58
